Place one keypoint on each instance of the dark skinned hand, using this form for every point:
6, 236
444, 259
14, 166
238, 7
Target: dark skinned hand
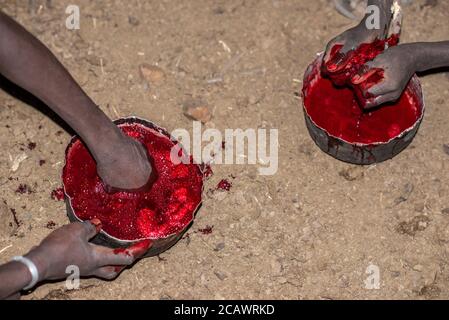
69, 245
398, 65
349, 40
126, 166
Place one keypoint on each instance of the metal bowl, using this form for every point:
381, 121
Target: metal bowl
360, 153
103, 238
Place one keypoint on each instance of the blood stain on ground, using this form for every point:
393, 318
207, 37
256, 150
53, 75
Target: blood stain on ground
58, 194
207, 230
224, 185
23, 188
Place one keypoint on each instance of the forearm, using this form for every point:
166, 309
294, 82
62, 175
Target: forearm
14, 276
25, 61
429, 55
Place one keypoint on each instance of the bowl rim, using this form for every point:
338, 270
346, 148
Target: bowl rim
161, 130
414, 81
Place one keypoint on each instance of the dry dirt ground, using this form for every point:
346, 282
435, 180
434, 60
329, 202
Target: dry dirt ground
308, 232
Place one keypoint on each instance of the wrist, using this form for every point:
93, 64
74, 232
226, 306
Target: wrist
415, 54
106, 147
430, 55
100, 137
25, 274
40, 261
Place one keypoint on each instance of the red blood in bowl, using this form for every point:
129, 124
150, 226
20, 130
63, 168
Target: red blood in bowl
337, 111
335, 105
341, 68
165, 209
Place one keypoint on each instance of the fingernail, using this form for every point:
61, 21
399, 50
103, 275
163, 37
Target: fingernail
331, 66
140, 248
333, 60
97, 223
118, 269
355, 79
369, 104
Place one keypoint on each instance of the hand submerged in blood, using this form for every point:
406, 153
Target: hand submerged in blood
340, 50
125, 165
70, 246
394, 68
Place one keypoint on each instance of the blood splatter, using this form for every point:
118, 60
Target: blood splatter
51, 224
224, 185
23, 188
31, 145
207, 170
207, 230
58, 194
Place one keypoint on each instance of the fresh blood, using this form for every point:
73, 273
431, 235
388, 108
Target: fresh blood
335, 106
135, 250
224, 185
165, 209
207, 230
51, 224
58, 194
207, 170
341, 68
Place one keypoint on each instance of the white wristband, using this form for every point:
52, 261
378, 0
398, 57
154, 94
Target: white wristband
32, 268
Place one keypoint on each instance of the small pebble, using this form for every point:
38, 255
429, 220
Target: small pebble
197, 109
151, 74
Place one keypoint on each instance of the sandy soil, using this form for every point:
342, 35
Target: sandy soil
310, 231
